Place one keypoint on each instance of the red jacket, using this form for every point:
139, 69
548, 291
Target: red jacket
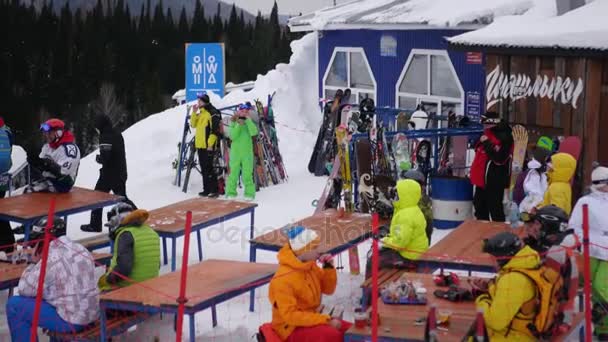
484, 152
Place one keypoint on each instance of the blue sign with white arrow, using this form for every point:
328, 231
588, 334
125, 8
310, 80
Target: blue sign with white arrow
204, 69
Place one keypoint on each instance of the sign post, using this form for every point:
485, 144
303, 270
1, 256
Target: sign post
205, 69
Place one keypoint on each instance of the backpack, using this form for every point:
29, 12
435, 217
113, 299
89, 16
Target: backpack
547, 302
5, 151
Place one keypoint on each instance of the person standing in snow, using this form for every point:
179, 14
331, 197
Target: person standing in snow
534, 186
113, 172
58, 161
206, 119
296, 290
70, 299
491, 169
597, 202
7, 238
242, 131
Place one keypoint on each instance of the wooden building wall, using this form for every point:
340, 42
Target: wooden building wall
545, 116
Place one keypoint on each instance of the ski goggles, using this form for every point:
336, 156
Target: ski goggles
243, 106
600, 181
45, 128
200, 94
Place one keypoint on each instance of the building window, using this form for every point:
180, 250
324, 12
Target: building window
429, 79
349, 68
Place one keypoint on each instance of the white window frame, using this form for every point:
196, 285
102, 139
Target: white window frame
428, 97
354, 91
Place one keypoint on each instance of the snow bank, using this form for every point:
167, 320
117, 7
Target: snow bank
443, 13
581, 28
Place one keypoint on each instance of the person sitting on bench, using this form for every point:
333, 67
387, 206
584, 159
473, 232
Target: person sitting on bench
297, 287
136, 253
70, 299
58, 161
407, 238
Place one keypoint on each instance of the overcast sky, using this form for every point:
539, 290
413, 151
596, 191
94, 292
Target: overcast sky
285, 6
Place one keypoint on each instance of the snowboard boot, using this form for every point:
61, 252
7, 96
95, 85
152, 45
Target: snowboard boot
90, 228
213, 195
249, 199
203, 193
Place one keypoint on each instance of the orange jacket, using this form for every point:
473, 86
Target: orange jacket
295, 293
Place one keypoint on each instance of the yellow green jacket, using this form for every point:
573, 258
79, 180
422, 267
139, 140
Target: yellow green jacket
295, 293
559, 192
408, 225
206, 126
506, 295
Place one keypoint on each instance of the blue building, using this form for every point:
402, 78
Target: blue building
396, 51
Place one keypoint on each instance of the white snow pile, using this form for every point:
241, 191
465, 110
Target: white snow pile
583, 28
442, 13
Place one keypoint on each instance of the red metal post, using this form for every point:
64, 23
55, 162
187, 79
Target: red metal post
45, 255
181, 300
587, 271
375, 222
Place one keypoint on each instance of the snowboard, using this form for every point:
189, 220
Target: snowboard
364, 184
183, 150
423, 158
571, 145
459, 151
324, 155
321, 203
402, 149
402, 121
520, 145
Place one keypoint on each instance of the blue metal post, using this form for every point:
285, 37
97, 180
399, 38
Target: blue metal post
213, 316
252, 257
173, 252
192, 329
200, 245
165, 250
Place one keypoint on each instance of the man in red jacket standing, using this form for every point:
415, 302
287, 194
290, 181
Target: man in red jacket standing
491, 168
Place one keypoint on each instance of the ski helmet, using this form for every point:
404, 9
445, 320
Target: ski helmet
554, 223
599, 177
338, 94
116, 216
503, 246
52, 124
57, 230
545, 142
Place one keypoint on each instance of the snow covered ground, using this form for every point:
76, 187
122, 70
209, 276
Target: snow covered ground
151, 148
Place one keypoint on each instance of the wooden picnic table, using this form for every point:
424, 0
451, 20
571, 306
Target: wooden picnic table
26, 209
337, 233
170, 221
209, 283
397, 321
11, 273
461, 249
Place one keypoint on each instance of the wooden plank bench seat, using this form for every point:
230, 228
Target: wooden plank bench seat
95, 242
116, 325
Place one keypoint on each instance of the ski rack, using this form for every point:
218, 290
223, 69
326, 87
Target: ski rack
434, 134
180, 166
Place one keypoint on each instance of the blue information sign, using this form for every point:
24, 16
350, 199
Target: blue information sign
204, 69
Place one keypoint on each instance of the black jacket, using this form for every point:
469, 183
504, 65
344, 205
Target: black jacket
498, 170
112, 150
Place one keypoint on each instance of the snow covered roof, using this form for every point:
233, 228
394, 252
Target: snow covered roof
584, 28
412, 14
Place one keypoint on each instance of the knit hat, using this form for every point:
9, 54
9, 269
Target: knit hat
302, 239
545, 143
599, 177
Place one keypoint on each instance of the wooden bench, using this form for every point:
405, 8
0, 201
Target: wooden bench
115, 326
95, 242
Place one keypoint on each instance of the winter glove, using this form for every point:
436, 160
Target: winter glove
103, 284
50, 166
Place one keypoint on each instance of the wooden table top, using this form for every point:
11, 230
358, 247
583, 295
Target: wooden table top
12, 272
206, 280
334, 231
172, 218
397, 321
463, 245
34, 205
